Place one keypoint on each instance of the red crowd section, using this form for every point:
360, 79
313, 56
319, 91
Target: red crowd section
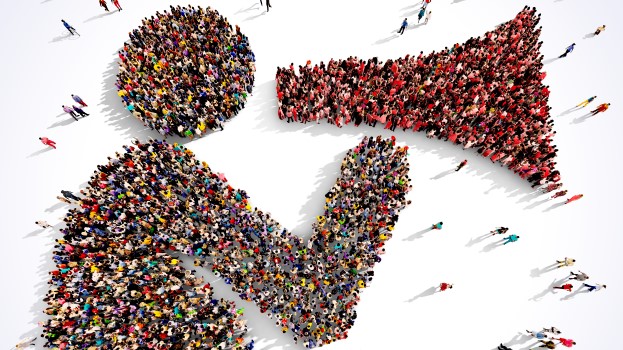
485, 94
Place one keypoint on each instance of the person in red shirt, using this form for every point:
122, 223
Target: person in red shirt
461, 165
567, 286
566, 342
46, 141
444, 286
574, 198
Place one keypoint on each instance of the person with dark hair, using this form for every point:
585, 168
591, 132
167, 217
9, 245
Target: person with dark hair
69, 195
503, 347
46, 141
444, 286
600, 109
510, 239
116, 3
567, 286
600, 29
268, 5
547, 344
70, 111
499, 231
71, 29
597, 287
80, 111
580, 276
586, 102
568, 50
403, 26
437, 226
461, 165
79, 100
104, 5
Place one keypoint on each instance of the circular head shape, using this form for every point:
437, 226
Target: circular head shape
185, 70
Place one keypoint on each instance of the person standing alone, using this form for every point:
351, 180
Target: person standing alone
403, 26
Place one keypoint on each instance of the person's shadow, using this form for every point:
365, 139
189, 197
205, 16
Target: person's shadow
478, 239
388, 39
549, 289
428, 292
589, 35
550, 60
491, 246
582, 119
443, 174
41, 151
554, 206
537, 272
63, 37
418, 234
575, 293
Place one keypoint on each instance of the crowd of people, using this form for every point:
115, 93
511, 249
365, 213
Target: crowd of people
486, 94
119, 282
185, 70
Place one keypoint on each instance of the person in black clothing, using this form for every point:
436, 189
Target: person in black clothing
70, 195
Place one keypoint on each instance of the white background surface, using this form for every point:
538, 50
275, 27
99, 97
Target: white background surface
286, 168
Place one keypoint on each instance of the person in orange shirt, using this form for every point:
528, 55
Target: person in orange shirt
601, 108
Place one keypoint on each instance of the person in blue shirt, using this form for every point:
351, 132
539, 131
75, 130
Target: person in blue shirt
71, 29
421, 14
511, 238
568, 50
403, 27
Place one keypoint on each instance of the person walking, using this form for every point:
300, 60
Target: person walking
70, 111
103, 4
268, 5
444, 286
509, 239
552, 330
46, 141
80, 111
566, 342
567, 286
70, 195
547, 344
574, 198
537, 334
428, 14
600, 29
568, 50
499, 231
71, 29
559, 194
461, 165
565, 262
116, 3
601, 108
43, 223
503, 347
421, 14
79, 100
437, 226
586, 102
403, 26
581, 276
596, 288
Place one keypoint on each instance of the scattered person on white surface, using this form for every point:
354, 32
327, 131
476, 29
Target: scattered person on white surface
568, 50
46, 141
71, 29
600, 29
70, 111
427, 17
594, 288
580, 276
43, 223
79, 100
537, 334
401, 31
565, 262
